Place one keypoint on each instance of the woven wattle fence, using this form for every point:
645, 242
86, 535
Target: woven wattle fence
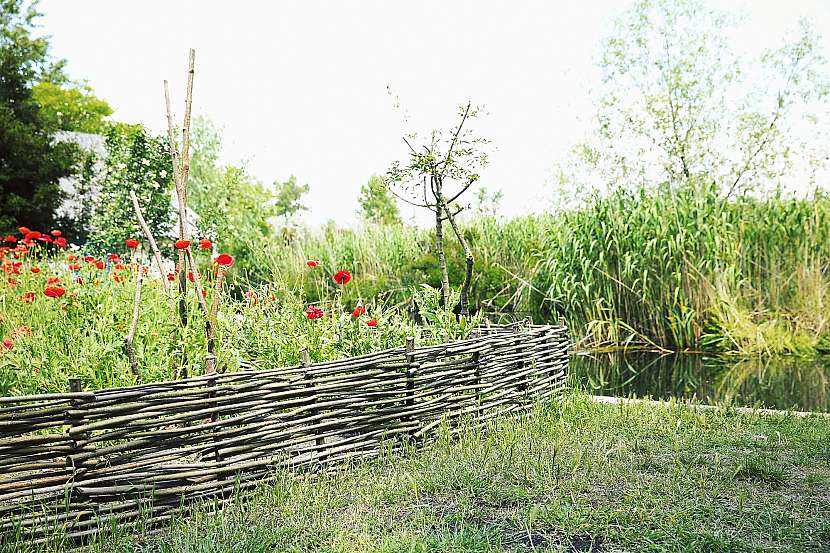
73, 463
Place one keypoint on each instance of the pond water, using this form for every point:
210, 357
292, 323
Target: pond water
801, 384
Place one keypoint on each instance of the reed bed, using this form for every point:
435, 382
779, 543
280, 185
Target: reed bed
677, 269
76, 462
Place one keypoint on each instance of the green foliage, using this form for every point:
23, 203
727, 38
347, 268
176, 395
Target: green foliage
81, 334
135, 160
32, 162
71, 109
233, 208
691, 269
289, 196
377, 205
678, 102
572, 475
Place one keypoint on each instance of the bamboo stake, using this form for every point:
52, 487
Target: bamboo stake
149, 236
181, 195
181, 265
128, 340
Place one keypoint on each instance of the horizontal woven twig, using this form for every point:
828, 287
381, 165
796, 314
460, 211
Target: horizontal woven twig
74, 462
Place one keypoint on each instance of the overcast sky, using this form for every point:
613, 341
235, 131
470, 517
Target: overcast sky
301, 87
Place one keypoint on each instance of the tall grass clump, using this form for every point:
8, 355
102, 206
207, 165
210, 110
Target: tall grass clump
393, 259
690, 269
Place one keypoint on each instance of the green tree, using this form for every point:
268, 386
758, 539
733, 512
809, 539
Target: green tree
233, 209
679, 103
71, 108
377, 204
135, 160
440, 170
32, 162
289, 196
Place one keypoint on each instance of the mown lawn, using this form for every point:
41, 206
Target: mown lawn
574, 476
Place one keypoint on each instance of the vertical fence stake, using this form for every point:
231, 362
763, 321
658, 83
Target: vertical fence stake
305, 362
477, 381
214, 416
410, 377
75, 420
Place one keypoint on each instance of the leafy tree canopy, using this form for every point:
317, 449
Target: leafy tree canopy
233, 209
31, 162
678, 103
71, 109
289, 197
377, 204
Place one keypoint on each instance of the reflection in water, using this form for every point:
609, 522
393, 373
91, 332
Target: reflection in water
777, 383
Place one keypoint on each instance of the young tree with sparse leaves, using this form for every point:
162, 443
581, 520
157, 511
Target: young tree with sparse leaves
436, 175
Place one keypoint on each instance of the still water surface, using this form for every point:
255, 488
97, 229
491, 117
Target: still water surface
801, 384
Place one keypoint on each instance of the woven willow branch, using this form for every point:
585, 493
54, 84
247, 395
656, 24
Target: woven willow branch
76, 462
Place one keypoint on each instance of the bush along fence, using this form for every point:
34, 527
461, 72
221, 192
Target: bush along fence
73, 464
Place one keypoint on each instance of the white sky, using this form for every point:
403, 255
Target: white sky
301, 87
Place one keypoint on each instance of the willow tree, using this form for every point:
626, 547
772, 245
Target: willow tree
435, 176
680, 103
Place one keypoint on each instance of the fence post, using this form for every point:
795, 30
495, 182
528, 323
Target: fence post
477, 381
306, 362
75, 420
214, 417
410, 377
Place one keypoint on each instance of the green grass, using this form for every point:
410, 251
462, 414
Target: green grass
623, 478
679, 269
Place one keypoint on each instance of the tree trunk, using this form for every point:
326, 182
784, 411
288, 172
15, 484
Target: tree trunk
468, 255
439, 245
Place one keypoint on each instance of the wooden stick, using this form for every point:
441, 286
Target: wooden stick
149, 236
128, 340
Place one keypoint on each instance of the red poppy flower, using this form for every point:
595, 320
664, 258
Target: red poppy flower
99, 264
28, 297
23, 230
373, 323
342, 277
225, 260
60, 242
205, 244
171, 277
89, 259
10, 239
8, 344
182, 244
35, 269
119, 267
131, 243
251, 296
74, 267
54, 291
45, 238
358, 311
311, 263
53, 280
32, 235
313, 312
55, 233
113, 256
190, 276
72, 258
